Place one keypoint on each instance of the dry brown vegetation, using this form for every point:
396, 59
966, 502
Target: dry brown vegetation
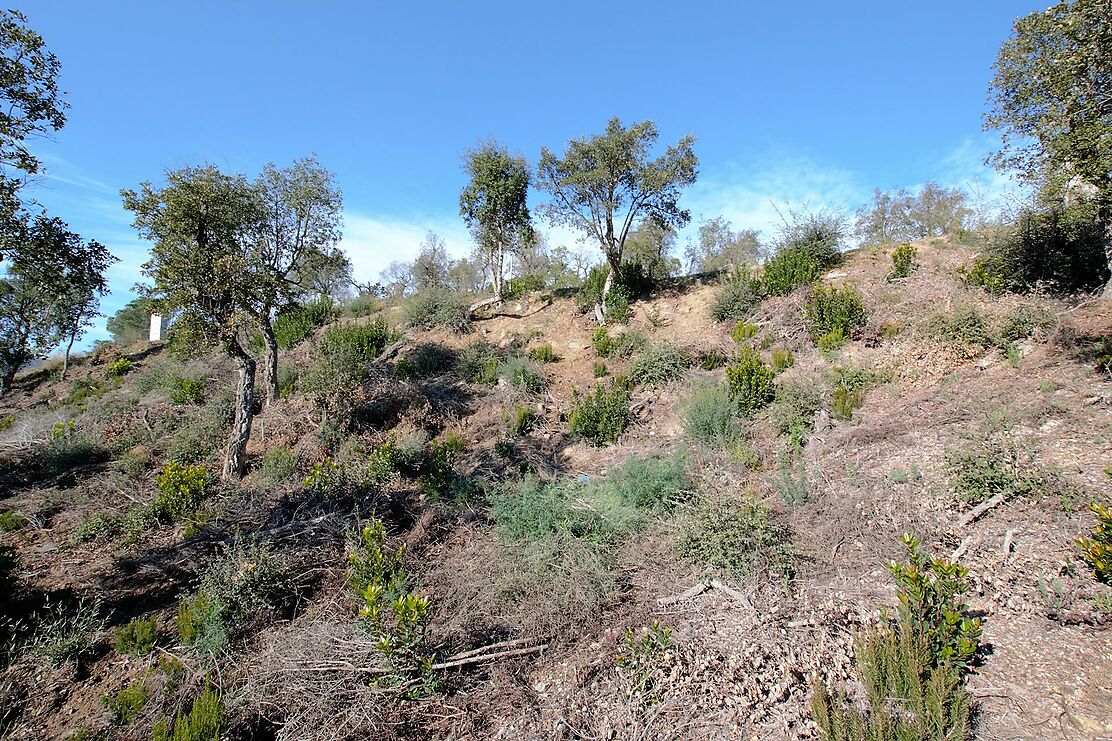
744, 650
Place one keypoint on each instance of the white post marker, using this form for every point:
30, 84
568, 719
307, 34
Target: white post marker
156, 328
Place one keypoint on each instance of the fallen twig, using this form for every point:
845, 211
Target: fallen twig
980, 509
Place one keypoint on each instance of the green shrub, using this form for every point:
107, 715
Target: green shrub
7, 422
188, 391
831, 309
543, 354
287, 380
599, 370
478, 362
120, 368
618, 304
629, 284
202, 723
522, 375
709, 415
791, 481
743, 331
1096, 548
736, 300
788, 270
655, 483
535, 510
987, 465
97, 526
794, 409
658, 364
782, 359
439, 307
713, 359
68, 446
643, 659
438, 473
1021, 324
521, 285
137, 637
818, 235
277, 465
739, 538
1057, 249
601, 416
12, 521
966, 325
196, 442
628, 343
903, 260
295, 324
126, 705
181, 489
602, 342
987, 272
351, 346
519, 419
849, 391
911, 668
82, 390
750, 381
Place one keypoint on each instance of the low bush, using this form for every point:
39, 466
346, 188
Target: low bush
277, 465
137, 637
287, 379
1096, 547
536, 510
990, 464
736, 300
295, 324
739, 538
543, 354
654, 483
197, 441
181, 489
782, 359
791, 481
126, 705
188, 391
743, 331
709, 415
82, 390
713, 359
750, 381
68, 446
522, 375
788, 270
966, 325
602, 342
903, 260
849, 387
912, 667
523, 284
601, 416
834, 310
478, 362
519, 419
643, 660
628, 343
425, 360
12, 521
66, 634
438, 307
794, 409
203, 722
658, 364
599, 370
120, 368
351, 346
97, 526
438, 474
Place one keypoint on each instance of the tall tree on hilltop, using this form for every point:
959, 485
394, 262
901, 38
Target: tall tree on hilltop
204, 226
302, 211
493, 204
1051, 99
31, 106
604, 183
49, 291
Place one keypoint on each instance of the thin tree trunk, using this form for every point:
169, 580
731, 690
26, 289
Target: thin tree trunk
499, 257
66, 360
1108, 254
270, 360
7, 379
235, 457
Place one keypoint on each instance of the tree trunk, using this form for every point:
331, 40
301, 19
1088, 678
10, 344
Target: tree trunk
235, 457
497, 267
1108, 254
270, 360
66, 360
7, 378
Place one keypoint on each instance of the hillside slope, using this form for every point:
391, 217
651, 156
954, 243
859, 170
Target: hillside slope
952, 396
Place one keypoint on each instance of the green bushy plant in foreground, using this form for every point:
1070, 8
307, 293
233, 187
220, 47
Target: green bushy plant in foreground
137, 637
120, 368
602, 342
1096, 547
203, 722
834, 310
439, 307
743, 331
543, 354
912, 667
788, 270
750, 381
126, 704
736, 300
653, 483
601, 416
12, 521
188, 391
295, 324
181, 489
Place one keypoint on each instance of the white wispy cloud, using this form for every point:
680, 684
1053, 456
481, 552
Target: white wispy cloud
373, 241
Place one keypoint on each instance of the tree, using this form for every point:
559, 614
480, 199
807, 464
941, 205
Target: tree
296, 246
1051, 100
902, 217
719, 248
32, 107
204, 226
132, 322
467, 275
48, 292
493, 204
604, 183
430, 269
398, 278
650, 246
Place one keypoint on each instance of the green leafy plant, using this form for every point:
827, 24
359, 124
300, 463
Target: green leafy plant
519, 419
522, 375
903, 260
188, 391
97, 526
203, 722
120, 368
782, 359
137, 637
601, 416
126, 704
788, 270
709, 415
654, 483
832, 309
736, 300
438, 473
658, 364
739, 538
438, 307
543, 354
1096, 547
750, 381
181, 489
599, 370
12, 521
743, 331
641, 659
277, 465
602, 342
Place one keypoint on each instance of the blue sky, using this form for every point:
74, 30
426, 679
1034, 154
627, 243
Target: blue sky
791, 103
